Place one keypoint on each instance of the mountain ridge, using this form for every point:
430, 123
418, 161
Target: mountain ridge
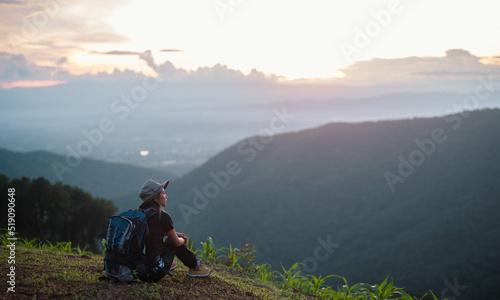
329, 182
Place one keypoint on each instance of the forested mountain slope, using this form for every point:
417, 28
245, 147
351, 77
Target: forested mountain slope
101, 179
415, 199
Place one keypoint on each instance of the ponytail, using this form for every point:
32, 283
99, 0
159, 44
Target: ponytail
152, 203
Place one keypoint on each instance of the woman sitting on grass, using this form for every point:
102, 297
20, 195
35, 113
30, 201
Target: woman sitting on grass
161, 252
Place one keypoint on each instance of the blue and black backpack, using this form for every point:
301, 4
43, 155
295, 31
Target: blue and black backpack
126, 256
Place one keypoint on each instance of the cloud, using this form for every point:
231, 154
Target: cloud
458, 53
116, 52
62, 60
457, 64
458, 71
29, 84
17, 71
148, 58
452, 74
39, 29
16, 67
167, 69
10, 2
170, 50
124, 52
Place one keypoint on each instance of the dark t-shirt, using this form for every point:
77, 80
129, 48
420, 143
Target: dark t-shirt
157, 230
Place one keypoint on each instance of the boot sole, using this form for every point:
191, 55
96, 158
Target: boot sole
204, 275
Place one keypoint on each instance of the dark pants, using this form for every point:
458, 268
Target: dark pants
161, 265
182, 252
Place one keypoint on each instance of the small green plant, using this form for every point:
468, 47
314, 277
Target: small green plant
384, 291
80, 251
247, 254
64, 247
103, 242
4, 236
433, 296
210, 251
315, 284
346, 292
231, 259
265, 272
49, 246
190, 246
291, 278
30, 244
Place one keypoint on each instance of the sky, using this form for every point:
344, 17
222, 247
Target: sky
215, 71
289, 39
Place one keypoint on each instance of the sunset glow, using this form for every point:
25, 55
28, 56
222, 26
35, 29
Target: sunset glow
29, 84
291, 39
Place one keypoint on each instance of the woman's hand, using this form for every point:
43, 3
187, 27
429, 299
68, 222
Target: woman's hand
182, 235
176, 238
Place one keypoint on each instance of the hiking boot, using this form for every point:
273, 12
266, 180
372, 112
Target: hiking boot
199, 271
174, 265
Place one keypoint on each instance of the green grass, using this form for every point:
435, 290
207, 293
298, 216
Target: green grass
292, 280
46, 270
35, 243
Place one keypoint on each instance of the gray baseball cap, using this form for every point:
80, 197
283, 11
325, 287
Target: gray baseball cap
151, 188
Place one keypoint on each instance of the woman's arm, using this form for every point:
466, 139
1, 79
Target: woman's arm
175, 239
182, 235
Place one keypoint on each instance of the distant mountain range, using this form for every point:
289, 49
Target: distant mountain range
101, 179
415, 199
183, 126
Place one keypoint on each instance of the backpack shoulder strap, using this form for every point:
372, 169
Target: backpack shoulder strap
149, 212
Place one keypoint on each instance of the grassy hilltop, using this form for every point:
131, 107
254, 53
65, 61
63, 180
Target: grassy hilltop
44, 274
47, 271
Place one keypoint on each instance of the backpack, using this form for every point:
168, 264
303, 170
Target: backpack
126, 244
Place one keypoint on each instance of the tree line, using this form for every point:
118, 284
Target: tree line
56, 212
